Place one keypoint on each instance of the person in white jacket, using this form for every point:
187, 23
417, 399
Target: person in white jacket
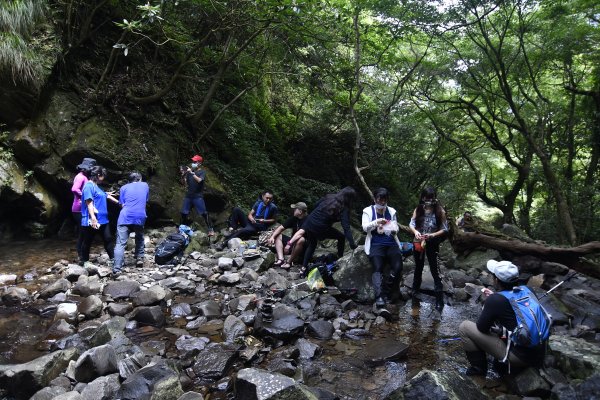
382, 245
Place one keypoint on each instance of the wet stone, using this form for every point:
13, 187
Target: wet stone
96, 362
59, 286
102, 388
233, 327
191, 396
73, 272
149, 297
66, 311
73, 395
321, 329
434, 385
225, 263
282, 366
87, 285
121, 289
15, 296
243, 303
229, 278
209, 308
530, 383
149, 316
254, 383
214, 361
286, 324
308, 350
48, 393
155, 381
59, 329
120, 309
575, 357
379, 351
130, 364
91, 307
181, 310
181, 285
189, 346
196, 323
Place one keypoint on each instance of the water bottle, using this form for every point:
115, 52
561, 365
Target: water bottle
242, 248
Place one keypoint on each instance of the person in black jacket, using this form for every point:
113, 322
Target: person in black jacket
332, 208
483, 336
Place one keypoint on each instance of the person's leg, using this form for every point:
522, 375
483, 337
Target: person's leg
238, 218
418, 274
279, 243
311, 246
185, 211
140, 247
297, 250
473, 341
209, 225
78, 232
87, 237
200, 207
432, 250
390, 286
377, 262
109, 244
333, 233
121, 243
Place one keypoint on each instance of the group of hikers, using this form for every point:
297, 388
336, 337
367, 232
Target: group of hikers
428, 224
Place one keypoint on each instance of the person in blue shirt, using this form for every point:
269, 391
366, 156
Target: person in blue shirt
262, 215
132, 198
94, 214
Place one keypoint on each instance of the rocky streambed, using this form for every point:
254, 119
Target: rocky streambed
197, 330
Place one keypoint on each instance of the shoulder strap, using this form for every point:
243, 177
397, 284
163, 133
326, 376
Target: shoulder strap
373, 215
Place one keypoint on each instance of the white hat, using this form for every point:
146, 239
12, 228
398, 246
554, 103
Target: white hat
504, 270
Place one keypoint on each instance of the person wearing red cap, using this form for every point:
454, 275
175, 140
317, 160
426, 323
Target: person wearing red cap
194, 178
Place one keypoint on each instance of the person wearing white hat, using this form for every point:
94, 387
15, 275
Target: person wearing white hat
479, 338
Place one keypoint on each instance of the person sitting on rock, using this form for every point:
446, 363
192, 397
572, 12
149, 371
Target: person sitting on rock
262, 215
483, 336
332, 208
133, 198
382, 245
465, 223
280, 241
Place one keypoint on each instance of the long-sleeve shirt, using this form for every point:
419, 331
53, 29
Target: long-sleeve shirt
77, 189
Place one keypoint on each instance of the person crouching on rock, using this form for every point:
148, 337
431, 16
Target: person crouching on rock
94, 214
262, 215
382, 245
483, 336
281, 241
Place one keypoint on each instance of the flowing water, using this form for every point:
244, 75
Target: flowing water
341, 367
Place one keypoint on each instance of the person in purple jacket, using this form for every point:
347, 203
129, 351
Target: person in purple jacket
132, 198
77, 189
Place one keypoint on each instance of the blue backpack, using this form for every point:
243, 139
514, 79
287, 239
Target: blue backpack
533, 322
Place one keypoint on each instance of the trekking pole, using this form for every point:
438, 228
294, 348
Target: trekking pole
558, 284
448, 340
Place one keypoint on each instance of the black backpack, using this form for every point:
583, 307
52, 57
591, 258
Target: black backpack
172, 246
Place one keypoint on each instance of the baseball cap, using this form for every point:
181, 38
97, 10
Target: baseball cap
300, 206
504, 270
197, 158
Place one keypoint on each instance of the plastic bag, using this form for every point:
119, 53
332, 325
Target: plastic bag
389, 228
314, 280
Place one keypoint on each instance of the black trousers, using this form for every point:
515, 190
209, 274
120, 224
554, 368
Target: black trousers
432, 248
379, 256
312, 239
89, 233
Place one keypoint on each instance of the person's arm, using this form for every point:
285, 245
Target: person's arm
78, 183
278, 231
413, 226
92, 213
345, 219
369, 225
251, 215
110, 196
443, 227
296, 236
197, 176
271, 219
489, 313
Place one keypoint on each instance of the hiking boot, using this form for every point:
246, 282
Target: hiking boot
439, 301
139, 262
380, 302
478, 361
115, 274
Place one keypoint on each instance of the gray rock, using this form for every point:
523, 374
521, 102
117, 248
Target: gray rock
191, 396
243, 303
530, 383
66, 311
189, 346
73, 272
258, 384
149, 316
8, 279
91, 307
95, 362
61, 381
48, 393
308, 350
233, 327
87, 285
225, 263
181, 310
563, 391
107, 331
196, 323
590, 388
103, 388
153, 382
209, 308
354, 271
23, 380
229, 278
15, 296
130, 364
321, 329
179, 284
286, 325
584, 305
575, 357
214, 362
120, 309
459, 278
59, 329
476, 259
434, 385
59, 286
377, 352
70, 396
150, 297
282, 366
121, 289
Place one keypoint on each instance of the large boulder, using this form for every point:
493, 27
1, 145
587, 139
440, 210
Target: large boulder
476, 259
433, 385
102, 388
121, 289
153, 382
96, 362
23, 380
575, 357
286, 324
258, 384
354, 271
214, 361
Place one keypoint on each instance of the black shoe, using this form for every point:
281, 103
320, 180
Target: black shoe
379, 302
115, 274
439, 301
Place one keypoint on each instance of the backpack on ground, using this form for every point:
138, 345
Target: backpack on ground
173, 246
533, 322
